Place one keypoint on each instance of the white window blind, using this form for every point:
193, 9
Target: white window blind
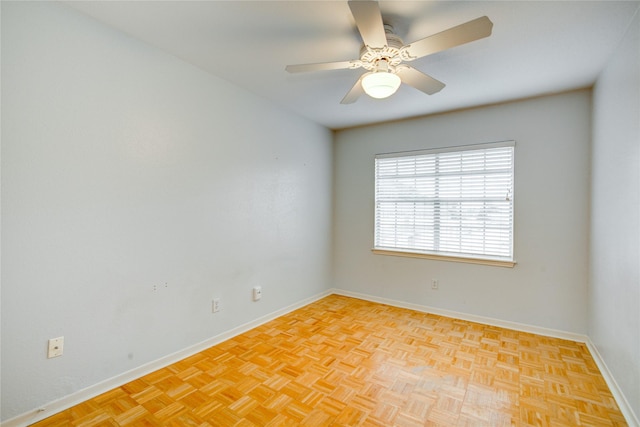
452, 202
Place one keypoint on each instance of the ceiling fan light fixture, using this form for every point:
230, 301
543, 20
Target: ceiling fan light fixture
383, 54
380, 84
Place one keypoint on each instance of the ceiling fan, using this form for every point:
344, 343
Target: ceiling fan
384, 54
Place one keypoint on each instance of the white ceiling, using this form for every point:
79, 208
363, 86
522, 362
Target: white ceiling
537, 47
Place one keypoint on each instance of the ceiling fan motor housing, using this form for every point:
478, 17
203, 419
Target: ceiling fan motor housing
391, 52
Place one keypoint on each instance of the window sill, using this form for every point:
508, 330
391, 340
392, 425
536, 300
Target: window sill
492, 262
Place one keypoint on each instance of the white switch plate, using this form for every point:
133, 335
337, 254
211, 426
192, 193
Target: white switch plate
56, 346
215, 305
257, 293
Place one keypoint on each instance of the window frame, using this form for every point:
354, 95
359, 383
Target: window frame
484, 259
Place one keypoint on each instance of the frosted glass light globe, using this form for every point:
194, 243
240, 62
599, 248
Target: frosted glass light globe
381, 84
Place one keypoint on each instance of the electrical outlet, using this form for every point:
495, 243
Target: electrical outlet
55, 347
257, 293
215, 305
434, 284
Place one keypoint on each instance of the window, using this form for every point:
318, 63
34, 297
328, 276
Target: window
451, 203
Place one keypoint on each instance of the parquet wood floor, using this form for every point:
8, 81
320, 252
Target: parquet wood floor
346, 362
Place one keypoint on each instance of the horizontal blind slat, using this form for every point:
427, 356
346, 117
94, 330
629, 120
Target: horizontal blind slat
457, 202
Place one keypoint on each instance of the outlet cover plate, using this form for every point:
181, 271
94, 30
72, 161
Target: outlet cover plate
257, 293
56, 345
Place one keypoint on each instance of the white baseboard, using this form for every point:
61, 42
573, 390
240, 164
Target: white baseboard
469, 317
618, 395
66, 402
90, 392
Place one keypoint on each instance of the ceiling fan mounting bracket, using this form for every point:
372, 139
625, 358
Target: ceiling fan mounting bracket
391, 52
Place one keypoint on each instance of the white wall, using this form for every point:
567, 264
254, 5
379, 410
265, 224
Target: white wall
125, 168
614, 290
547, 287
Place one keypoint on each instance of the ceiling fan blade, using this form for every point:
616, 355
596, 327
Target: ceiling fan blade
419, 80
369, 22
355, 92
323, 66
464, 33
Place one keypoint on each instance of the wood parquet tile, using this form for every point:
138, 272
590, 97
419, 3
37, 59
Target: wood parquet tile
346, 362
